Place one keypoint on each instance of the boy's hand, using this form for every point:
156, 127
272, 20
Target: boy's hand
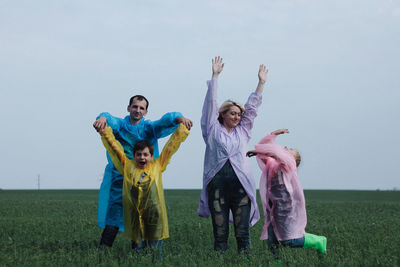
280, 131
251, 153
188, 123
100, 124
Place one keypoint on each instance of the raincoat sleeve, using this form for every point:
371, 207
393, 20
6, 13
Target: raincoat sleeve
172, 145
250, 111
268, 147
210, 108
114, 122
166, 125
268, 139
114, 148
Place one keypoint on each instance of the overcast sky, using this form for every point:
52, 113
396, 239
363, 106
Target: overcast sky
334, 82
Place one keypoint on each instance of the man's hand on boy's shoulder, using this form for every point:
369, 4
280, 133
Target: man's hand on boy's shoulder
100, 124
188, 123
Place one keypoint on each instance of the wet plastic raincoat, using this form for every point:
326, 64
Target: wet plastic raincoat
110, 195
145, 213
276, 163
222, 145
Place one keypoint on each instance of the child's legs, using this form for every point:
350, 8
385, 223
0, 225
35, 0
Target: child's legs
273, 243
138, 246
152, 218
217, 202
240, 206
155, 245
142, 244
156, 249
282, 207
294, 243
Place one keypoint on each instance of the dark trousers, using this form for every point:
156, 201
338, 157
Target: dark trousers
108, 236
150, 244
226, 193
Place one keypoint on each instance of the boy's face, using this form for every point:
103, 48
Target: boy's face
137, 109
143, 157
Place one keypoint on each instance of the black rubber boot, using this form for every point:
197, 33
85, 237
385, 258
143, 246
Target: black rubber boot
108, 236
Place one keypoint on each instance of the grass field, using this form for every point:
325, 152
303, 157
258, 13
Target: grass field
58, 228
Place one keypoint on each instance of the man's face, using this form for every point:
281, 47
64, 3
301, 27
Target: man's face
143, 157
137, 109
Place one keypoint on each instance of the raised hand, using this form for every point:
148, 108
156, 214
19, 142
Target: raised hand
262, 74
100, 124
217, 66
262, 78
280, 131
188, 123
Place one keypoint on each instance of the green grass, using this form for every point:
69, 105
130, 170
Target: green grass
58, 228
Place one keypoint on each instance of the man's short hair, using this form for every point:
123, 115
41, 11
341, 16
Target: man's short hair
140, 98
142, 145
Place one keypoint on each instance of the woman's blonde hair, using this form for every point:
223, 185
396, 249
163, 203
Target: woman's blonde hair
225, 107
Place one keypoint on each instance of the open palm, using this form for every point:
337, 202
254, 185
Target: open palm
262, 73
217, 65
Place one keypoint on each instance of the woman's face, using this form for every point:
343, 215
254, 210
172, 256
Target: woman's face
232, 117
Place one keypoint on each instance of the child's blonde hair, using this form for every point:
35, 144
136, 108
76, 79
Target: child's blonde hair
226, 106
297, 157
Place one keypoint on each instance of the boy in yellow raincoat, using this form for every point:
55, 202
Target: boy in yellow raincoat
145, 214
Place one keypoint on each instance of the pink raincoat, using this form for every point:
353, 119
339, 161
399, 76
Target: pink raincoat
276, 163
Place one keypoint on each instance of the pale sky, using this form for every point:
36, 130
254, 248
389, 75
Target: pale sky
334, 82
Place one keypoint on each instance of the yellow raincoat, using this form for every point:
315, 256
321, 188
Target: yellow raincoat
143, 200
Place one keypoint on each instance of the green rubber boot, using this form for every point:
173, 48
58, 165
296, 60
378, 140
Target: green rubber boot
315, 242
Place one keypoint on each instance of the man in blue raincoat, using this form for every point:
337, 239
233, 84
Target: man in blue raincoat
128, 132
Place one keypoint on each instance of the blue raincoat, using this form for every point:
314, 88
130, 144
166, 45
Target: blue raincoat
110, 195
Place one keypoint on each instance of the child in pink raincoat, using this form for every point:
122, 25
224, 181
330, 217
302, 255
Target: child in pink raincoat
282, 197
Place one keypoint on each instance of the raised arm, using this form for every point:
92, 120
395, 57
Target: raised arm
267, 139
254, 101
114, 149
272, 136
217, 67
172, 145
165, 126
262, 78
105, 119
210, 108
185, 121
268, 147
